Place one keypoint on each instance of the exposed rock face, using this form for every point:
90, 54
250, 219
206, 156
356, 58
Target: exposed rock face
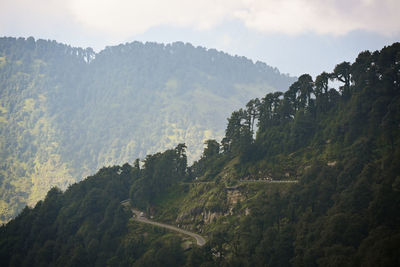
233, 196
198, 214
332, 163
201, 215
247, 211
189, 215
210, 217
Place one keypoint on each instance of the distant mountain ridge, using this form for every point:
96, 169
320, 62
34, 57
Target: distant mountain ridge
65, 111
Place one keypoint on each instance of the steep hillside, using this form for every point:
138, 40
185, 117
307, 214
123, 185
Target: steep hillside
65, 112
318, 186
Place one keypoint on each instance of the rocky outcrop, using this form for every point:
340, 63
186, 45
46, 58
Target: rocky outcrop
198, 216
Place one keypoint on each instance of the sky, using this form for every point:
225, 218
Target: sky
296, 36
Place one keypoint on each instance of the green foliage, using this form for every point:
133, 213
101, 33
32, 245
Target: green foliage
344, 153
160, 172
65, 112
87, 226
331, 197
70, 228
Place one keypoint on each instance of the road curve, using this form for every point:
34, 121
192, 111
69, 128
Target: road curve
199, 239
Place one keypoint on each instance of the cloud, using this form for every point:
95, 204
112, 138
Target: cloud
30, 14
324, 17
125, 18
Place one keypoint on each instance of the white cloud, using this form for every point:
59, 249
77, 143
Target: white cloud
124, 18
30, 14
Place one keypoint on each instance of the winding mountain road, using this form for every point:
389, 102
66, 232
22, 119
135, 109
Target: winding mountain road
137, 217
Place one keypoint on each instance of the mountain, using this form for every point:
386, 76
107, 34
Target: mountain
319, 185
66, 112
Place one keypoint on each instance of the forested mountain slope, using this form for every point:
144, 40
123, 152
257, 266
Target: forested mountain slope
319, 185
65, 112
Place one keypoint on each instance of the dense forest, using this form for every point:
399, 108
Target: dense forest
305, 177
65, 112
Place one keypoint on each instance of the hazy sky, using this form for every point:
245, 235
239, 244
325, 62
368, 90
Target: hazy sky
296, 36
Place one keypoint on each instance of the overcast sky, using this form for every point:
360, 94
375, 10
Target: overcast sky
296, 36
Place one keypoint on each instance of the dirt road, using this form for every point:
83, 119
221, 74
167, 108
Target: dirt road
199, 239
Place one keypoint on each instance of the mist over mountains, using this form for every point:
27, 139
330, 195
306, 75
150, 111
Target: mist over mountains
66, 112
